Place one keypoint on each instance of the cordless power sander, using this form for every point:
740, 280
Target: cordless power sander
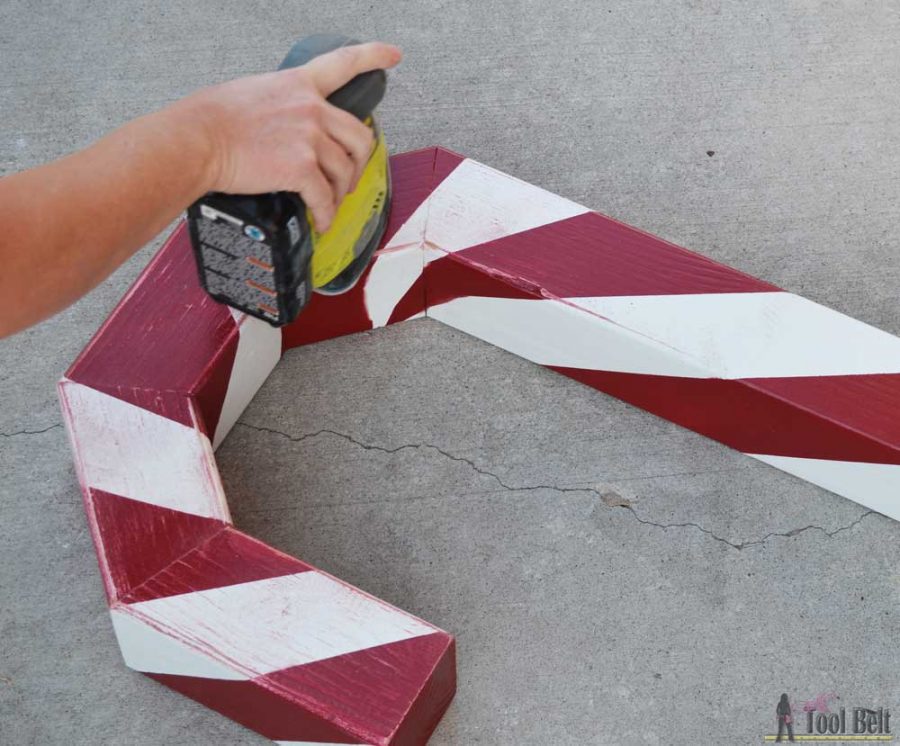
260, 253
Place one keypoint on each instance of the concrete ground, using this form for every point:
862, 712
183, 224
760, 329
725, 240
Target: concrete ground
764, 134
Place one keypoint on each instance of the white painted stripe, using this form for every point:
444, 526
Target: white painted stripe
258, 352
132, 452
720, 335
476, 203
268, 625
554, 333
146, 649
391, 277
877, 486
755, 335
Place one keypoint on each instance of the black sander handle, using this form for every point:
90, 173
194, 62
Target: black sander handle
361, 95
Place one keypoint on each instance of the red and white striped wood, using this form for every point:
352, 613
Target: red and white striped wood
273, 643
298, 655
785, 380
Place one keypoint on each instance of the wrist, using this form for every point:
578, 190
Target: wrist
193, 119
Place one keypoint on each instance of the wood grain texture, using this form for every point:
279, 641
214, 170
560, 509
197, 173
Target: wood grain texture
756, 417
356, 698
166, 339
265, 625
127, 450
592, 255
140, 541
362, 708
227, 557
260, 708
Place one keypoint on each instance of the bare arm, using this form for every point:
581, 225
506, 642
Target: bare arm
65, 226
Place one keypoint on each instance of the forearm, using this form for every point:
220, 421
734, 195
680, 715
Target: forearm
69, 224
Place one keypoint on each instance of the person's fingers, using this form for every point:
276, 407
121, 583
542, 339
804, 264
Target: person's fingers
355, 137
337, 166
317, 193
332, 70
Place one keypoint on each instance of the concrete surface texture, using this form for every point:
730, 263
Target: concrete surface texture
612, 578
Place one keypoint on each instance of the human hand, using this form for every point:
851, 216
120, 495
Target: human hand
276, 131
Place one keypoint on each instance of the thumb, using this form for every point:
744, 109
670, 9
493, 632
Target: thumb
332, 70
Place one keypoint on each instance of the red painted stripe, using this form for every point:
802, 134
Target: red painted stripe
257, 707
445, 161
449, 278
209, 392
593, 255
391, 694
868, 404
227, 558
137, 540
431, 703
328, 316
161, 337
776, 417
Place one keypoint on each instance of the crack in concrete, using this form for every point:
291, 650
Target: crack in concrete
739, 546
756, 542
382, 449
30, 432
